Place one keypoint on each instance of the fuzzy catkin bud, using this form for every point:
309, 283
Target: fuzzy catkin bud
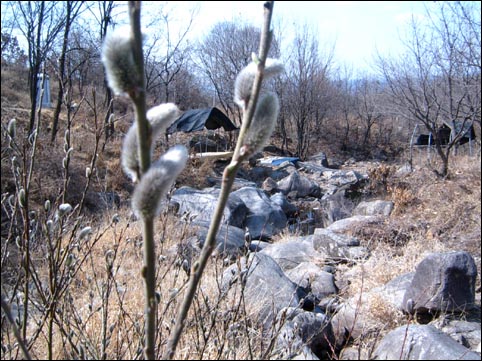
263, 123
64, 208
160, 118
12, 128
118, 60
156, 182
245, 79
22, 199
85, 232
47, 206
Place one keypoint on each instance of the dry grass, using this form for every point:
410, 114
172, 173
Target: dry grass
430, 215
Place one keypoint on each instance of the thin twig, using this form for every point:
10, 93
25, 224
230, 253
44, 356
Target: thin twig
6, 310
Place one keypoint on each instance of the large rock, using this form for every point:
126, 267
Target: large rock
299, 186
266, 288
351, 224
229, 239
301, 330
264, 218
200, 205
421, 342
338, 247
291, 253
311, 277
373, 208
442, 282
335, 207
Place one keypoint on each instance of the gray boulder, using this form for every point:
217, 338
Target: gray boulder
299, 186
338, 247
266, 288
229, 239
263, 218
421, 342
201, 204
311, 277
303, 331
442, 282
351, 224
373, 208
291, 253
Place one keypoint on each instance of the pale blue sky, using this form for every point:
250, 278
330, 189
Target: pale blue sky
357, 27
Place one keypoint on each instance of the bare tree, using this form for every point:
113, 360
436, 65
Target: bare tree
104, 16
223, 53
343, 106
307, 85
72, 10
368, 111
187, 92
40, 22
12, 53
166, 55
434, 84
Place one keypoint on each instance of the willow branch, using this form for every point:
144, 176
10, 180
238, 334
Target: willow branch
144, 134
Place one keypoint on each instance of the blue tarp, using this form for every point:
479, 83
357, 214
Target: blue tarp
276, 161
285, 159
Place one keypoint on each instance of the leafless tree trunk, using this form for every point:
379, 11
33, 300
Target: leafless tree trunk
72, 10
307, 84
166, 56
104, 18
367, 108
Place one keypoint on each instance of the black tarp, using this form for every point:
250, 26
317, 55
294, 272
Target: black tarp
197, 119
465, 129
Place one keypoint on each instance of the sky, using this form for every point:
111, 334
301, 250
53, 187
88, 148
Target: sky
357, 28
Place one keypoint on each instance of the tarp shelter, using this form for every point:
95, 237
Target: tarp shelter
465, 130
198, 119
